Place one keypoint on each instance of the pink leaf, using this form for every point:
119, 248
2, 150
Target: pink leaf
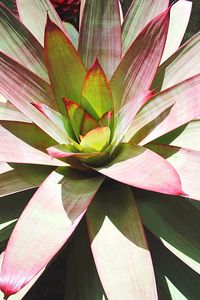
45, 225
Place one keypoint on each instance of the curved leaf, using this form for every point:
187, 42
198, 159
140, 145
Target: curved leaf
36, 21
179, 18
119, 246
51, 216
140, 13
187, 164
140, 167
137, 68
17, 42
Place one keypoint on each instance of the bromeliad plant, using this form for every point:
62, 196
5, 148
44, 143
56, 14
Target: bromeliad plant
86, 125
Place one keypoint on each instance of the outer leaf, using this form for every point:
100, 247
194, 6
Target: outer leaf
96, 92
187, 164
24, 91
82, 281
22, 177
66, 70
51, 220
14, 150
116, 232
186, 136
140, 167
140, 13
36, 89
23, 292
40, 9
180, 66
179, 18
175, 279
17, 42
175, 221
30, 134
167, 111
100, 34
10, 113
137, 69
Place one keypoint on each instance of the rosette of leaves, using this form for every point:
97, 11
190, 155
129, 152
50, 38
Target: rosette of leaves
105, 132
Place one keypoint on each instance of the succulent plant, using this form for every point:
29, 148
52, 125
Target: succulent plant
107, 128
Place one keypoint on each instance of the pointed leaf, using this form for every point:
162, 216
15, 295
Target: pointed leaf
40, 9
14, 150
137, 69
96, 92
88, 124
187, 164
100, 34
167, 111
22, 177
183, 64
96, 140
76, 115
118, 244
140, 167
107, 120
179, 18
51, 220
140, 13
176, 222
17, 42
186, 136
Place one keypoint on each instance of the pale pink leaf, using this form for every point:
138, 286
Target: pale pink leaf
119, 246
45, 225
140, 13
186, 162
8, 112
179, 18
140, 167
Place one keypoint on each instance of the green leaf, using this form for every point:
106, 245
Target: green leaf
28, 10
18, 42
118, 244
96, 92
140, 13
175, 221
137, 69
96, 140
65, 68
100, 34
88, 124
179, 18
183, 64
